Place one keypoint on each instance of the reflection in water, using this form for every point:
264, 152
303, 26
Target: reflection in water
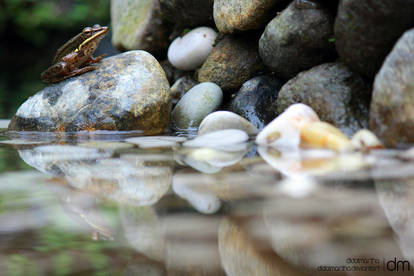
112, 206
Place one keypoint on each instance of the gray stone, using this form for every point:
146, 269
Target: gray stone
365, 31
242, 15
196, 104
392, 106
233, 61
296, 40
188, 13
128, 91
138, 25
337, 95
256, 100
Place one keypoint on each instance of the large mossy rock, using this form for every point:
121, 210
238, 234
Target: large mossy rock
337, 95
297, 39
128, 91
365, 31
138, 25
392, 106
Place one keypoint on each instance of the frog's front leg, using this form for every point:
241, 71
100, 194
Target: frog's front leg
80, 71
92, 59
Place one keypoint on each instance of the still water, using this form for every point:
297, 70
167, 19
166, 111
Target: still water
99, 204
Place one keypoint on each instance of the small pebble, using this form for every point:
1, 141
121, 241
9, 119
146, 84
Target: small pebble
324, 135
284, 131
4, 124
365, 139
221, 120
190, 51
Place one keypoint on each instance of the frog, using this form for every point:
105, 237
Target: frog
76, 56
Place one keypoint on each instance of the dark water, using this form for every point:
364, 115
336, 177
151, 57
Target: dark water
85, 204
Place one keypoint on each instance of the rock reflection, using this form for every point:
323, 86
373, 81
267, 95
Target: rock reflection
397, 200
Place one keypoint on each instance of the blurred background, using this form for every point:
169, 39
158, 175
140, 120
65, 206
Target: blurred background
30, 33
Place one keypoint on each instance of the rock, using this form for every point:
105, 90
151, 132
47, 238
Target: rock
221, 120
196, 104
233, 61
190, 51
284, 131
128, 91
235, 15
221, 139
365, 140
256, 100
181, 86
138, 25
324, 135
338, 96
365, 31
188, 13
297, 40
392, 106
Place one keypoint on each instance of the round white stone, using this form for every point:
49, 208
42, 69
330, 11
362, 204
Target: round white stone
191, 50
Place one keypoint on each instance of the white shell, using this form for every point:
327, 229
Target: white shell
190, 51
284, 131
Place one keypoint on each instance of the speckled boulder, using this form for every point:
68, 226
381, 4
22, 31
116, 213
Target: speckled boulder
233, 61
128, 91
242, 15
365, 31
188, 13
392, 107
337, 95
137, 25
256, 100
297, 39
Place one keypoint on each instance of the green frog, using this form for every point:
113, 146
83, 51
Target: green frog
76, 56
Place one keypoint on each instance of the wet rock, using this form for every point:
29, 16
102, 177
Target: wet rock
337, 95
138, 25
145, 142
297, 40
256, 100
181, 86
221, 120
234, 15
284, 131
196, 104
190, 51
188, 13
392, 106
365, 31
126, 92
232, 62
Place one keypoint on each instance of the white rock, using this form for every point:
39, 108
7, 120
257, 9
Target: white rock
156, 141
284, 131
365, 139
220, 120
222, 139
191, 50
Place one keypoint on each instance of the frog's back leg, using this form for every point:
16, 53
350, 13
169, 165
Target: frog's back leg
67, 48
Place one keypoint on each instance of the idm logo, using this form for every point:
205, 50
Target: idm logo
400, 265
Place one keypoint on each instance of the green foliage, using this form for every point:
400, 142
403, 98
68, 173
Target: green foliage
33, 20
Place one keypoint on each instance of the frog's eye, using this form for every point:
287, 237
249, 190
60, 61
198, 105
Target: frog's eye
96, 26
87, 30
